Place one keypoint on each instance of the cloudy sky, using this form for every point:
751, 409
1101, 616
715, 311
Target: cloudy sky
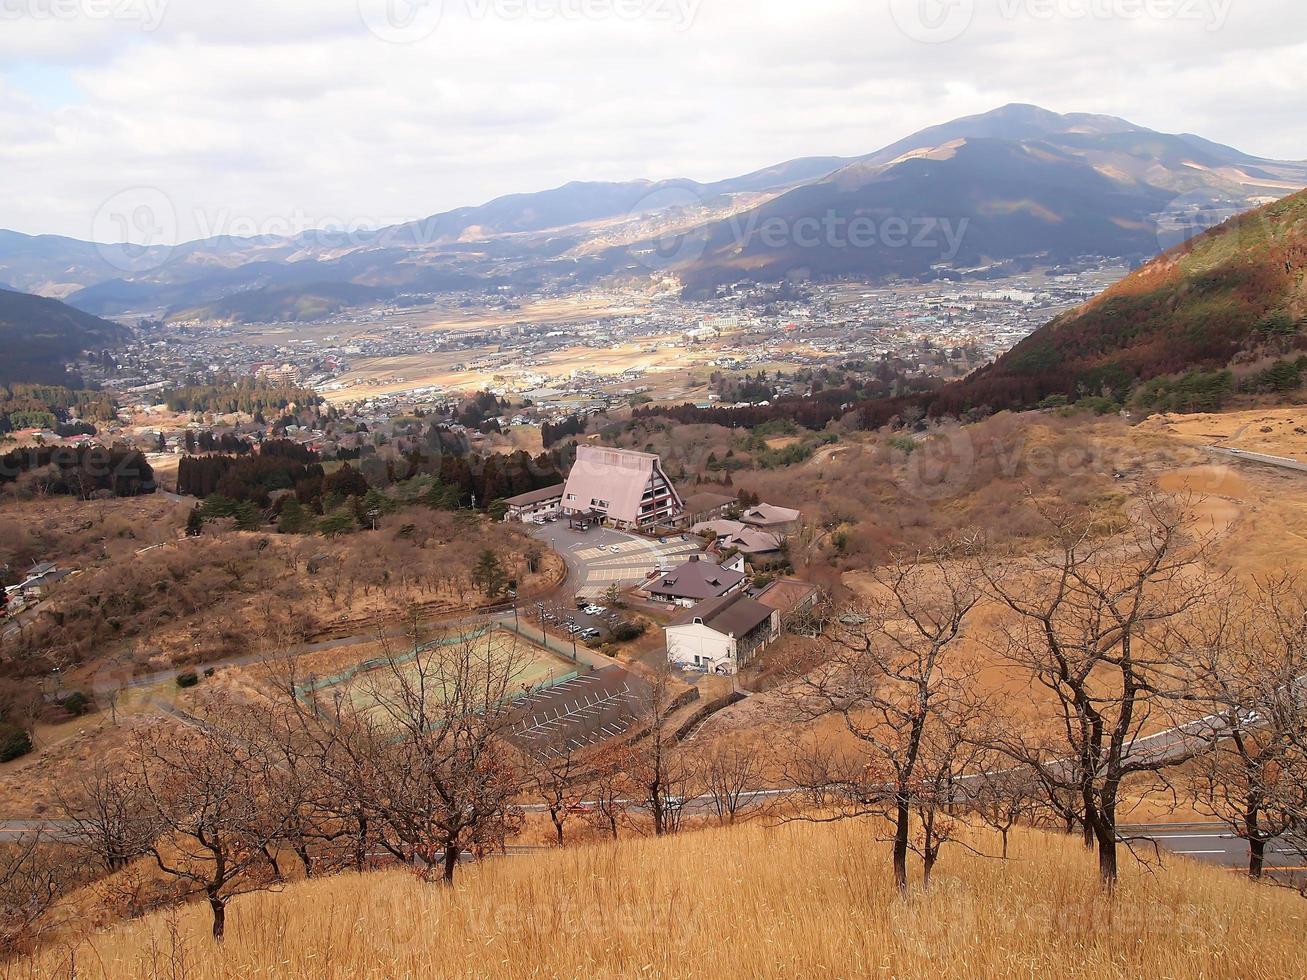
261, 116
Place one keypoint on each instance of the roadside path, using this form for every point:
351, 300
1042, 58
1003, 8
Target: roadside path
1282, 462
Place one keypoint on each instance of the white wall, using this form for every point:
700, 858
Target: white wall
684, 643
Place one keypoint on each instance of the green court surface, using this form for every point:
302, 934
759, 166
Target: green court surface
433, 669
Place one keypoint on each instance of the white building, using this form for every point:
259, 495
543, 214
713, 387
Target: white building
535, 505
722, 635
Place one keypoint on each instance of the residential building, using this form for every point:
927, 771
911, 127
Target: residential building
535, 505
694, 582
722, 635
701, 507
627, 489
760, 547
791, 597
38, 582
778, 520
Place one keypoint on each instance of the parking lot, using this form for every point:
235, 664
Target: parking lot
594, 624
581, 712
600, 558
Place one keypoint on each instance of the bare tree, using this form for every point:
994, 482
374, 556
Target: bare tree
556, 770
1003, 798
1252, 647
31, 880
816, 771
896, 674
949, 750
214, 808
732, 774
608, 785
1087, 619
661, 770
430, 747
104, 816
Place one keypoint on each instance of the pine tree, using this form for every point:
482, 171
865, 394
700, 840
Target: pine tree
489, 575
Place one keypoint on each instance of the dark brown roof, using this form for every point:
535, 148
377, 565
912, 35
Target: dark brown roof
536, 496
702, 503
732, 615
696, 580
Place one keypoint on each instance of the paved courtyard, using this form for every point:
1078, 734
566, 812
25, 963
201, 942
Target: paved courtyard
600, 558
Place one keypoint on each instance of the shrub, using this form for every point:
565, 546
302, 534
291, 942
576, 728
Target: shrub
14, 743
76, 704
626, 631
1098, 405
335, 525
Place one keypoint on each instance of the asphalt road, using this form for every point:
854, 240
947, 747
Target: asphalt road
1280, 461
1210, 844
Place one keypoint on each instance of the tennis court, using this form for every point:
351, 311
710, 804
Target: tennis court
478, 659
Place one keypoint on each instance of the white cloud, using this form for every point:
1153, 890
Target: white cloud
264, 111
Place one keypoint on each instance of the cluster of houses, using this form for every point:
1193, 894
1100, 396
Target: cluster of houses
720, 622
35, 587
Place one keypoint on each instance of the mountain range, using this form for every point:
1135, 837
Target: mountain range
1018, 186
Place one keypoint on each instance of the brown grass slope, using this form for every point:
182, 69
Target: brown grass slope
1194, 307
799, 900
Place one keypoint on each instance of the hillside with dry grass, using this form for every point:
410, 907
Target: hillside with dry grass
1218, 298
791, 900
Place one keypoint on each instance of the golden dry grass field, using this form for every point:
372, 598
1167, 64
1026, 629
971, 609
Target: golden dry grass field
794, 901
1273, 431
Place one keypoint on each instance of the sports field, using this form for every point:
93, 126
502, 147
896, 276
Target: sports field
488, 661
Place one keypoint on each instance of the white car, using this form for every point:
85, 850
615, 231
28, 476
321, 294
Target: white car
616, 549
